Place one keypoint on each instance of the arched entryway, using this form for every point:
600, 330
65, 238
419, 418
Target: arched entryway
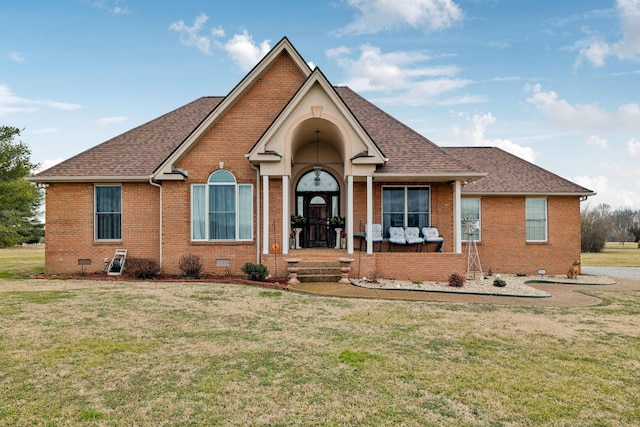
318, 200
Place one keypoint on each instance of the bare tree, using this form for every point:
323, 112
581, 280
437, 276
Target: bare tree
596, 224
622, 220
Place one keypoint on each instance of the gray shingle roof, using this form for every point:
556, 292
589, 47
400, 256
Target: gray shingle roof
510, 174
408, 151
140, 151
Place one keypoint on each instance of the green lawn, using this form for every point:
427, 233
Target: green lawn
21, 261
157, 353
614, 255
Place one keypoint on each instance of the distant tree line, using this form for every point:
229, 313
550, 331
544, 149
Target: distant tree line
19, 199
600, 225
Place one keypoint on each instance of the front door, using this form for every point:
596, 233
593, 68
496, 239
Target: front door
317, 211
317, 199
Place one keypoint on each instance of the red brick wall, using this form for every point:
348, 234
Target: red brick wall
70, 226
228, 141
504, 247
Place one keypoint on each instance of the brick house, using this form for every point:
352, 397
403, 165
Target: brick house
221, 177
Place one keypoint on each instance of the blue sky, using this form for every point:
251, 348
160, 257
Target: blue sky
557, 83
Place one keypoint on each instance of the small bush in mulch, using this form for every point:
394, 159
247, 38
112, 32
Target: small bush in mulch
257, 272
190, 265
142, 268
499, 283
456, 280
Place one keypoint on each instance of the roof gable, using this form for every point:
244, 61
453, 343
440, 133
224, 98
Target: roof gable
509, 174
282, 47
316, 99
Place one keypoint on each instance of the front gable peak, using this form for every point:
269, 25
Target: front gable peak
283, 47
315, 113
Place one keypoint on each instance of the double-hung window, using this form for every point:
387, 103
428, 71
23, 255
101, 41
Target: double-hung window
221, 209
470, 214
405, 207
108, 212
536, 219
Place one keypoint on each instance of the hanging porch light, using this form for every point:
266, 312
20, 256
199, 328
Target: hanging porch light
317, 169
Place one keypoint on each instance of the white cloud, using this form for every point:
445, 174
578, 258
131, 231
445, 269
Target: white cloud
190, 36
16, 57
374, 16
46, 131
596, 141
475, 135
244, 51
583, 117
613, 195
108, 121
241, 48
402, 75
11, 103
597, 50
633, 147
117, 7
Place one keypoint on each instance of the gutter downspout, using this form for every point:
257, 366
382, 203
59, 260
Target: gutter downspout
155, 184
258, 222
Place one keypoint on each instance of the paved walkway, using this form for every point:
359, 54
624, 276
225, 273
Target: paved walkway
561, 295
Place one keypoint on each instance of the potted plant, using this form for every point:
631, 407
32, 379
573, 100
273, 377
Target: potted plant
337, 221
298, 221
343, 239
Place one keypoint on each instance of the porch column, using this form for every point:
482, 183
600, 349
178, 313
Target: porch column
265, 214
285, 214
369, 213
349, 222
457, 233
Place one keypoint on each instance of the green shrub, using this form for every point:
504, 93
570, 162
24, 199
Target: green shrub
499, 283
190, 265
142, 268
257, 272
456, 280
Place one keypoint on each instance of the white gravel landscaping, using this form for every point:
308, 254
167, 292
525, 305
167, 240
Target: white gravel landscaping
515, 285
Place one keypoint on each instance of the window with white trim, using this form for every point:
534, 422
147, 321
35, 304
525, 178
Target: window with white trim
405, 207
536, 219
108, 212
470, 210
221, 209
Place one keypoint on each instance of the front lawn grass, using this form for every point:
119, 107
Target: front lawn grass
153, 353
614, 254
20, 262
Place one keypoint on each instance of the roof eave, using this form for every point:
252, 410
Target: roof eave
79, 179
432, 177
529, 193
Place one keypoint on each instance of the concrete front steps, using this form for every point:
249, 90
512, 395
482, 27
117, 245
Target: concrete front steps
319, 271
318, 264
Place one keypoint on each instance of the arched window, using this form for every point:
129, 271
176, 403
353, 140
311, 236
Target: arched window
221, 209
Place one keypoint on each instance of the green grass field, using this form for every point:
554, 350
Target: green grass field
21, 261
101, 353
614, 255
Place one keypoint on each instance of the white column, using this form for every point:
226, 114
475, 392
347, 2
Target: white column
369, 213
457, 232
265, 215
286, 220
349, 221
